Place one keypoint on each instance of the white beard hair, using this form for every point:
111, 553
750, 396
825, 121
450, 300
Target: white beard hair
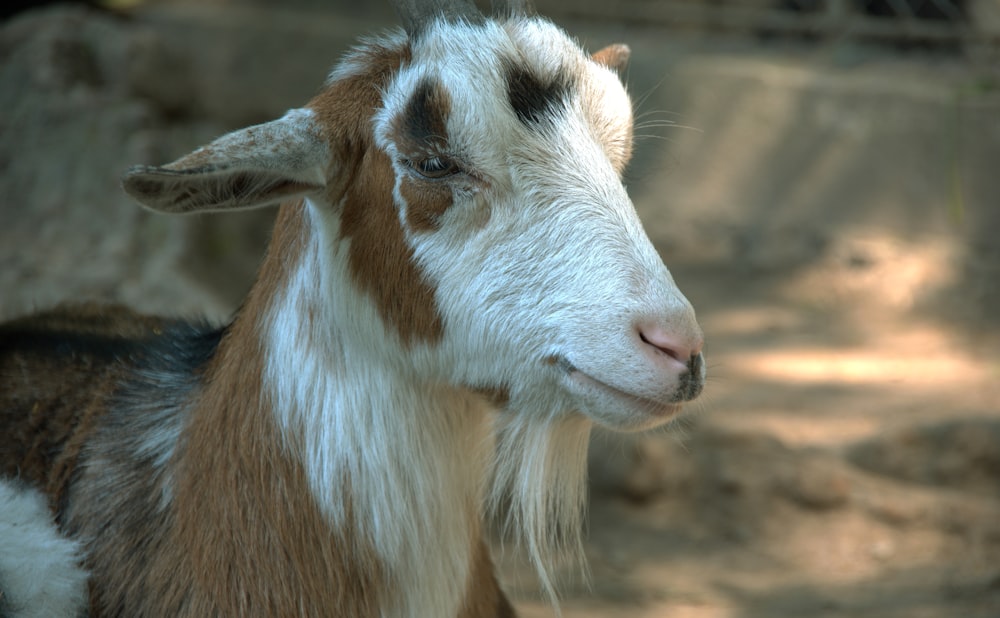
539, 488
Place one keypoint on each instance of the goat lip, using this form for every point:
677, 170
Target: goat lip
648, 406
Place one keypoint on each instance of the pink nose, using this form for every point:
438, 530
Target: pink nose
677, 346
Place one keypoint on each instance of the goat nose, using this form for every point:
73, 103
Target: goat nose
679, 347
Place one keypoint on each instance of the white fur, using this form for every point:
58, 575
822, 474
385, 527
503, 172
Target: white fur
355, 61
555, 202
40, 576
540, 467
412, 455
561, 267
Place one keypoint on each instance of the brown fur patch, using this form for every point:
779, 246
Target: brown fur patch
614, 56
420, 132
426, 202
260, 546
381, 262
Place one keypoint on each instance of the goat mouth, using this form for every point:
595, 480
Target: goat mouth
648, 406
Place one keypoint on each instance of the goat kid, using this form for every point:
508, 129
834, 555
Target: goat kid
456, 289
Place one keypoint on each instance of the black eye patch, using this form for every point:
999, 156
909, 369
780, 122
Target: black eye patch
423, 125
535, 99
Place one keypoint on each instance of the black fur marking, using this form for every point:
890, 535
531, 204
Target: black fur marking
86, 368
534, 99
123, 480
65, 343
105, 334
425, 119
183, 348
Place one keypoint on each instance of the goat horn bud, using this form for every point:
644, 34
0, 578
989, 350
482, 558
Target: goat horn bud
416, 14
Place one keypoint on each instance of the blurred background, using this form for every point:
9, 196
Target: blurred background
821, 176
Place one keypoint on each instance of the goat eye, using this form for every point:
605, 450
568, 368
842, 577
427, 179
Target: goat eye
436, 167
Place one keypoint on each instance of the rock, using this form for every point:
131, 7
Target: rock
72, 124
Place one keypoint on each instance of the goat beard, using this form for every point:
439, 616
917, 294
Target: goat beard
540, 488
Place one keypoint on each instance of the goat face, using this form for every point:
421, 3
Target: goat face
508, 145
468, 181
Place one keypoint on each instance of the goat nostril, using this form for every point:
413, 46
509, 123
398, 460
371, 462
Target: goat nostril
668, 351
665, 344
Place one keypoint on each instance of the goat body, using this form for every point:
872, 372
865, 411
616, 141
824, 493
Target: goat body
456, 289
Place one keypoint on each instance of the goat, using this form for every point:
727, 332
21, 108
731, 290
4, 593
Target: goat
456, 290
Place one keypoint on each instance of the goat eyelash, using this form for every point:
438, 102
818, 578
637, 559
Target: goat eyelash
434, 168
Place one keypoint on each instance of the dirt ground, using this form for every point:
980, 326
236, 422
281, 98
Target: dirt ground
844, 460
841, 465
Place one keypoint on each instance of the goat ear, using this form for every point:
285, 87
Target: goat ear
614, 56
257, 166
